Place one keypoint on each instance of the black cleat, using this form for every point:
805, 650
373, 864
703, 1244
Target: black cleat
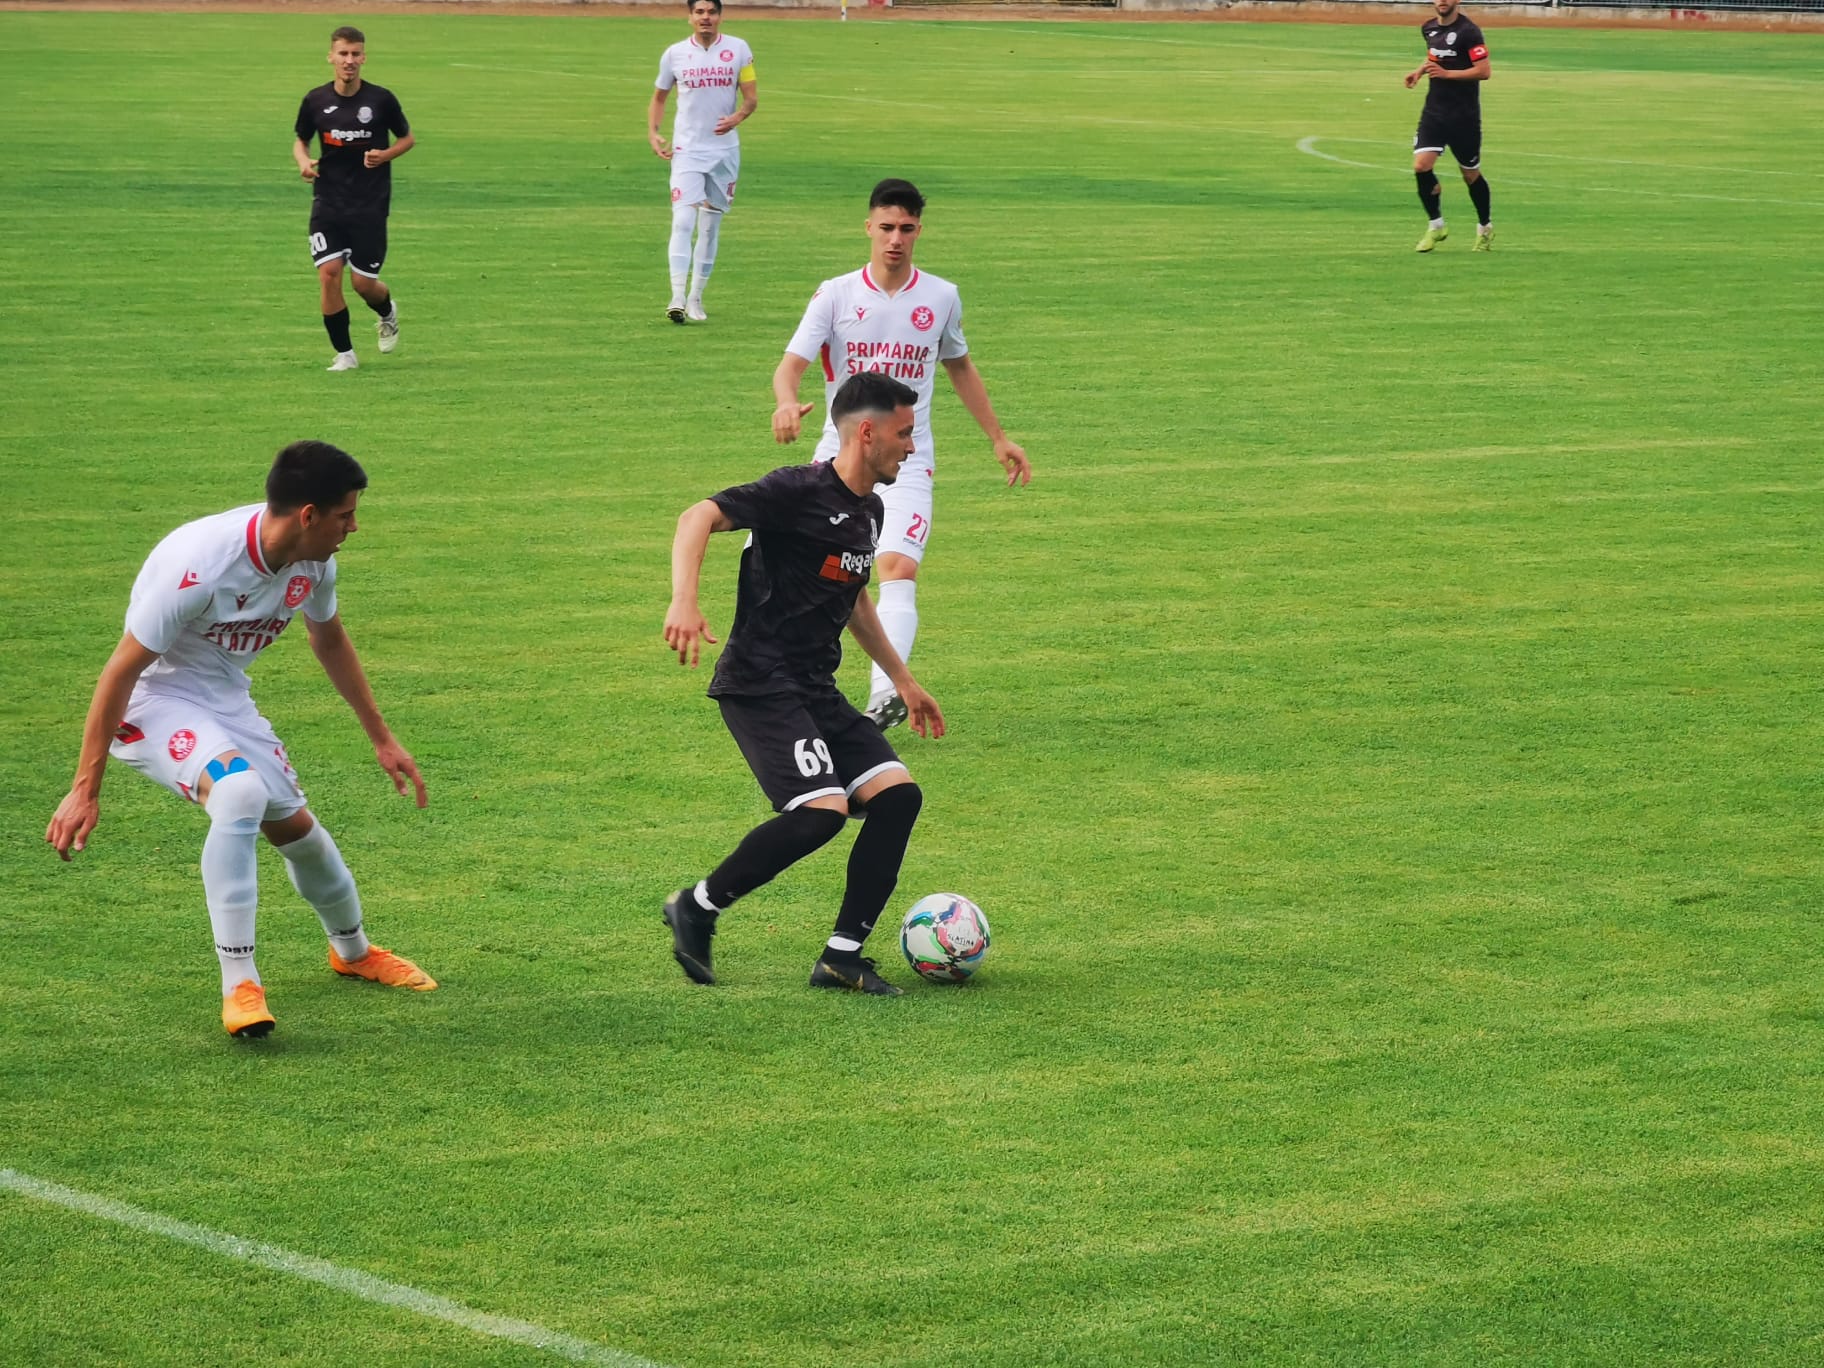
691, 929
855, 975
675, 313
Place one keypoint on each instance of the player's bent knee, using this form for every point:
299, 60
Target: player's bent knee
897, 805
238, 798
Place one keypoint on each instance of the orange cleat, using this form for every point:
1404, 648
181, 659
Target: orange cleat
244, 1011
383, 966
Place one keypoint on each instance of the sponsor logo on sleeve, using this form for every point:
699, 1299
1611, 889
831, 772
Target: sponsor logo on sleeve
126, 733
181, 744
1477, 53
188, 580
297, 591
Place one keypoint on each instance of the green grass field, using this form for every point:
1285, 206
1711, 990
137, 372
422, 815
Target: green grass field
1385, 735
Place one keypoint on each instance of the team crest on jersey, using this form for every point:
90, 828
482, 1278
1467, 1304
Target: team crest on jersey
1450, 40
181, 744
297, 591
923, 318
727, 54
365, 114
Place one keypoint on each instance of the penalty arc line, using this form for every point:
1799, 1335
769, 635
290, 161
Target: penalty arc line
349, 1280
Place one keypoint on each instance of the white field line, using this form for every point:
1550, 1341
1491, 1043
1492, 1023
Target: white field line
349, 1280
1308, 145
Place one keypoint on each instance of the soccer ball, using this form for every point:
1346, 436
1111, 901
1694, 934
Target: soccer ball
945, 937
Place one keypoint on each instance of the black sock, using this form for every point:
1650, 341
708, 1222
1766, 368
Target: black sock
874, 862
1478, 192
384, 307
770, 849
337, 326
1431, 194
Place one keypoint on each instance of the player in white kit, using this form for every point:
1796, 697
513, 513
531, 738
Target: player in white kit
891, 317
705, 151
173, 702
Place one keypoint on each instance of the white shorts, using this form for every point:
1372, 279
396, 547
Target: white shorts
713, 185
170, 740
908, 507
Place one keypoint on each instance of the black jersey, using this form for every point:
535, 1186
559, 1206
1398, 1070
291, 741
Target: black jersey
348, 126
811, 553
1456, 46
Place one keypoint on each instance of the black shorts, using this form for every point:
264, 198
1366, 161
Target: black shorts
361, 240
805, 748
1461, 133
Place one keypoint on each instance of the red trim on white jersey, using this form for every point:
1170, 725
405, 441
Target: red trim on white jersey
868, 280
253, 543
829, 371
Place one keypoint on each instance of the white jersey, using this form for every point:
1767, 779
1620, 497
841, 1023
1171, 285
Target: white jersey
707, 81
851, 326
208, 603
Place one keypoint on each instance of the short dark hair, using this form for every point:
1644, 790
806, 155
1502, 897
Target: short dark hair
692, 4
312, 473
893, 193
871, 392
348, 33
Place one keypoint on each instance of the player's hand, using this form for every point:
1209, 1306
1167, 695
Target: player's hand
308, 170
398, 762
374, 156
1431, 68
922, 713
788, 421
75, 818
726, 124
1412, 77
1012, 457
685, 631
660, 148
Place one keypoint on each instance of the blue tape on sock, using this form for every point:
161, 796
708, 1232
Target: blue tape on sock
217, 771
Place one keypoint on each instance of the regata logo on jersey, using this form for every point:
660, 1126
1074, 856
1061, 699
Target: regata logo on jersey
297, 591
923, 318
846, 566
341, 137
181, 744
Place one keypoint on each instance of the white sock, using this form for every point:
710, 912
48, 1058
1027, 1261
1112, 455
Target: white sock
322, 880
843, 944
1484, 229
683, 220
231, 871
1437, 223
709, 230
898, 610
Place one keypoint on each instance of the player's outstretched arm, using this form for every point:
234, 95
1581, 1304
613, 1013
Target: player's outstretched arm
788, 413
966, 380
336, 654
685, 626
80, 810
922, 711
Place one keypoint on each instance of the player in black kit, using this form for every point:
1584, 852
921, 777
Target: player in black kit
354, 188
803, 578
1456, 60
